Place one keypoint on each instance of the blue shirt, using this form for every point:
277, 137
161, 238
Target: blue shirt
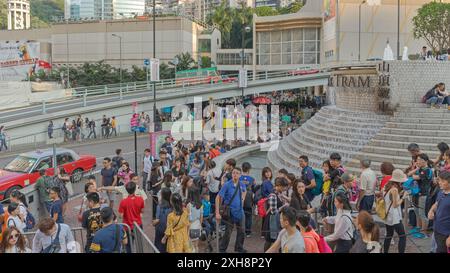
248, 181
105, 239
206, 208
2, 211
57, 208
442, 216
266, 188
222, 150
236, 206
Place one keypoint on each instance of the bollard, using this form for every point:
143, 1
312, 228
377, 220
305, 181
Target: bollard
44, 110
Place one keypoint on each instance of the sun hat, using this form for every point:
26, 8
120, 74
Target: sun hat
398, 176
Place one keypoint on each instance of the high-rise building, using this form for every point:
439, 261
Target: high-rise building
267, 3
103, 9
18, 14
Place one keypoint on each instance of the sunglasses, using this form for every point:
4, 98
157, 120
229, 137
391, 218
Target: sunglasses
14, 236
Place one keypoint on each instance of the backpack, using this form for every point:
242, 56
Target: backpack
318, 177
323, 245
380, 208
258, 194
262, 207
30, 221
411, 186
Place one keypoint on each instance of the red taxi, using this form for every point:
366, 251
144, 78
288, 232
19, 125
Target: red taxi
24, 169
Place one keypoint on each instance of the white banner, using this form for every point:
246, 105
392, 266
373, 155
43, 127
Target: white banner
18, 59
242, 78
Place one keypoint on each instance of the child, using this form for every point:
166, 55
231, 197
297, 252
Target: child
56, 209
207, 216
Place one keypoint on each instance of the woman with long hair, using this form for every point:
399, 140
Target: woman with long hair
440, 161
344, 227
368, 241
186, 183
20, 199
266, 186
299, 201
13, 241
176, 235
160, 222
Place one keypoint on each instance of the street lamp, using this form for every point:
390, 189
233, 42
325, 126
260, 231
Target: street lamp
359, 31
398, 29
120, 54
245, 30
154, 57
370, 3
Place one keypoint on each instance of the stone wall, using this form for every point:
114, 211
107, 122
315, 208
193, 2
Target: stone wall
410, 80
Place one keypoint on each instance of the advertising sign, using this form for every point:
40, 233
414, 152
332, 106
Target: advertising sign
18, 59
157, 139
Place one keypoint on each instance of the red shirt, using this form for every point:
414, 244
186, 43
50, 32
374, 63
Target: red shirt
384, 181
131, 208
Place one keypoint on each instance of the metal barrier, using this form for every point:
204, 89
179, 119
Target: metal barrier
78, 233
142, 243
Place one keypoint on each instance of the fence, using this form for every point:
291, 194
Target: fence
78, 233
142, 244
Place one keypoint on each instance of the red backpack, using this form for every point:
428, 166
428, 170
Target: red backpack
323, 245
262, 210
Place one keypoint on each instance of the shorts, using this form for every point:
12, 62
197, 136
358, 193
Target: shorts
419, 207
194, 234
111, 196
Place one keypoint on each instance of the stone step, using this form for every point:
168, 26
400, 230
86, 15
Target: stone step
400, 160
342, 123
375, 165
414, 126
345, 134
352, 116
420, 120
349, 145
401, 144
415, 132
412, 139
439, 115
332, 126
381, 150
339, 111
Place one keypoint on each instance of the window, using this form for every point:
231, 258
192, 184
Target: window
64, 159
44, 163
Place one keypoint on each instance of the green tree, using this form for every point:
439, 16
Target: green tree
206, 62
432, 23
46, 10
223, 19
166, 72
3, 15
185, 61
266, 11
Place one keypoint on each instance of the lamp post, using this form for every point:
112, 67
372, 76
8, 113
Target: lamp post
398, 29
154, 56
359, 31
67, 53
244, 30
120, 54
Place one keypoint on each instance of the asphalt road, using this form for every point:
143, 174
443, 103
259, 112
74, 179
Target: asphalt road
100, 149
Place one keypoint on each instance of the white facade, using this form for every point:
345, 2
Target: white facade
18, 14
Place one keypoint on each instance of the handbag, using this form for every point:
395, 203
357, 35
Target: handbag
55, 245
225, 211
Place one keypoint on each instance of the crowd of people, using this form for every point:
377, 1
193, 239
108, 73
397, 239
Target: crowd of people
193, 200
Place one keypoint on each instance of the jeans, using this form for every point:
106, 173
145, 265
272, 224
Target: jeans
92, 132
114, 130
440, 242
400, 230
367, 203
446, 100
3, 144
248, 222
240, 237
435, 100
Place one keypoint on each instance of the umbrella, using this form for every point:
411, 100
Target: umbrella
262, 100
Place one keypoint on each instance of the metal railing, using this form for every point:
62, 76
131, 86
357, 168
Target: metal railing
142, 244
78, 233
102, 94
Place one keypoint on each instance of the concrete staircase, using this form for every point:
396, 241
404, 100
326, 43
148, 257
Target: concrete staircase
412, 122
357, 135
331, 130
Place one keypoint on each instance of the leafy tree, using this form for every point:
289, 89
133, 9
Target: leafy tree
223, 19
266, 11
166, 72
432, 23
45, 10
206, 62
3, 15
185, 61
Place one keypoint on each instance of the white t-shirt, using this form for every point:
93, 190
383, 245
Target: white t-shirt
394, 215
14, 221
